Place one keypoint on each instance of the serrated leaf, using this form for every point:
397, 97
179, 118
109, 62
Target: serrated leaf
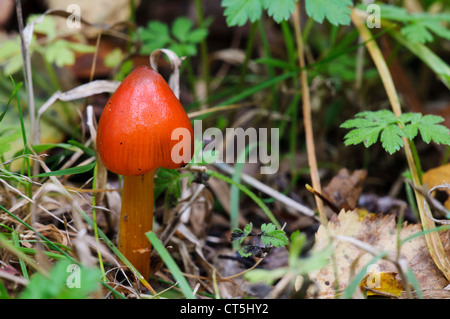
417, 32
238, 12
272, 236
58, 53
237, 234
181, 28
368, 136
438, 133
391, 138
279, 10
246, 251
197, 35
337, 12
439, 29
368, 125
381, 116
428, 127
167, 179
154, 36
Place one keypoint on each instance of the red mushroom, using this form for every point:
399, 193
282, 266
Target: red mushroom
143, 126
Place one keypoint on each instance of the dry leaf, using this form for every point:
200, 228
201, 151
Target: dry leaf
381, 283
437, 176
380, 232
344, 189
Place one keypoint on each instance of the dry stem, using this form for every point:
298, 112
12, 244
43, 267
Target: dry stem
307, 119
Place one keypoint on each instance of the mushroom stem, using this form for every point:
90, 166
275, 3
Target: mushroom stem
136, 218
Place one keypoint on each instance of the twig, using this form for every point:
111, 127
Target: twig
307, 119
268, 190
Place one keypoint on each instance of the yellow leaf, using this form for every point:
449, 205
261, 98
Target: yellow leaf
381, 282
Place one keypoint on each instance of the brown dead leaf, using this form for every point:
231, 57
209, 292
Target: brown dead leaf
344, 189
437, 176
380, 232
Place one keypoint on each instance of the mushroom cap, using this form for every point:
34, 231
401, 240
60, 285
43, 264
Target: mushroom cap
134, 134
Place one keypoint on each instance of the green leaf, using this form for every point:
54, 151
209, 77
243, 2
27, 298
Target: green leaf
430, 130
427, 126
298, 241
246, 251
337, 12
47, 27
197, 36
434, 62
367, 127
279, 10
439, 29
169, 181
272, 236
181, 28
368, 136
417, 26
7, 137
155, 36
391, 138
238, 12
69, 171
13, 94
237, 234
59, 53
266, 276
171, 265
65, 281
417, 32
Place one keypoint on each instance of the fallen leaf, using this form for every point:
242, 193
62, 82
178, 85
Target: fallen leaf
381, 283
344, 189
380, 232
437, 176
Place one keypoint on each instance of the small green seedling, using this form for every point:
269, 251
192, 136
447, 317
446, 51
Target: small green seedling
182, 37
262, 242
367, 126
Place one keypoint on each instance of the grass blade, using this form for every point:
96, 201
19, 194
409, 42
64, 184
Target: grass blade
171, 265
69, 171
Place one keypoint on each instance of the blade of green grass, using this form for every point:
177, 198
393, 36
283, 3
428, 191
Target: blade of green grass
23, 266
171, 265
69, 171
12, 96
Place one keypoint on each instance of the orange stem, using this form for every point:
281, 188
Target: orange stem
136, 218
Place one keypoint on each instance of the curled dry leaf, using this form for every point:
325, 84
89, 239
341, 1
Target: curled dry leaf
380, 232
437, 176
